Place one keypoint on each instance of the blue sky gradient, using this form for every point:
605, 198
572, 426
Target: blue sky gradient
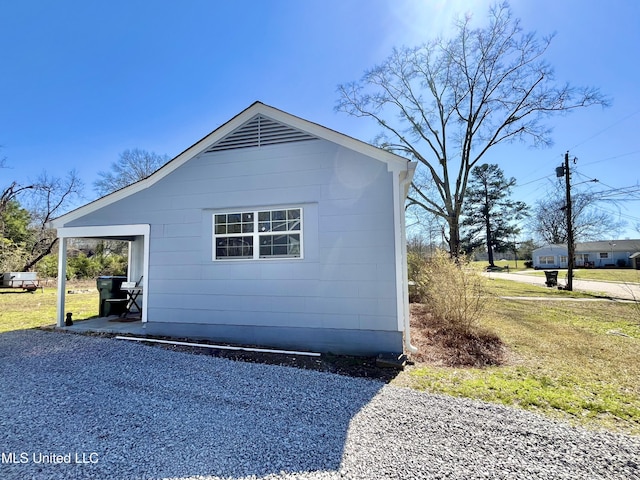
84, 80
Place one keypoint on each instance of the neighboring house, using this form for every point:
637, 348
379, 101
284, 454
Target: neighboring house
607, 253
271, 231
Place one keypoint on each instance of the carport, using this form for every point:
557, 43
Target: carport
138, 263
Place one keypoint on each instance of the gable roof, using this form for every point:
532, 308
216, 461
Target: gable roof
608, 245
632, 245
257, 125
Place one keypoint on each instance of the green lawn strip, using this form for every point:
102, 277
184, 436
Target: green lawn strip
483, 264
567, 363
547, 392
621, 275
19, 311
510, 288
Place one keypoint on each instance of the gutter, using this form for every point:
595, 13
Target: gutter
405, 183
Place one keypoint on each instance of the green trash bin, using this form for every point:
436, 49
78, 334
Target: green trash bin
109, 288
552, 278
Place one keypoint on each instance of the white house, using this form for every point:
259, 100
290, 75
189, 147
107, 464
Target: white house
272, 230
606, 253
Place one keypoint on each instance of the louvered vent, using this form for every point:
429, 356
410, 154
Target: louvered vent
260, 131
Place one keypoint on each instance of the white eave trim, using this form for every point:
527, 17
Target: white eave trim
394, 162
102, 231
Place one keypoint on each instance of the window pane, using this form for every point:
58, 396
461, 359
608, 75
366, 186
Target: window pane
264, 227
280, 246
293, 225
247, 227
247, 217
293, 214
221, 229
294, 245
221, 219
234, 228
279, 226
264, 216
279, 215
234, 247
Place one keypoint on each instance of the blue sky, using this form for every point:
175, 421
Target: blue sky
84, 80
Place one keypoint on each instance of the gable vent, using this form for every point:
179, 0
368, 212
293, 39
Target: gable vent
260, 131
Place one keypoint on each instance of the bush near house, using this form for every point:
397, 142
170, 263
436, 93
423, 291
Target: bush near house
82, 266
454, 293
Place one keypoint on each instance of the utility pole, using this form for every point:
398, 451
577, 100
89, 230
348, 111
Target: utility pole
570, 243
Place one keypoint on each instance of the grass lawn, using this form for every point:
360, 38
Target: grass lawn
622, 275
571, 360
20, 310
508, 288
483, 264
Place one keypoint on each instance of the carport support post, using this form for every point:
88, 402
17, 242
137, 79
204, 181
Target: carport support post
62, 278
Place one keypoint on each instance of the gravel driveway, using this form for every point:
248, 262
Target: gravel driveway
86, 407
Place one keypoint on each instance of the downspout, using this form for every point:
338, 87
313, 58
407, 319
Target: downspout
405, 183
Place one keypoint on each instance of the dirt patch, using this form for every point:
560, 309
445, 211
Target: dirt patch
440, 345
364, 367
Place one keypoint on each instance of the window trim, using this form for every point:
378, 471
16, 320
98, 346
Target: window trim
256, 234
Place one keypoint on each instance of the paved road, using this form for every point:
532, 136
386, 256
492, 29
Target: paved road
611, 289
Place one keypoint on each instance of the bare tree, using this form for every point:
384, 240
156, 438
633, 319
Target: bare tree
549, 222
12, 191
132, 166
50, 197
447, 102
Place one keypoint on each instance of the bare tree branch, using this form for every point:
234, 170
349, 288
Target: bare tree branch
448, 102
132, 166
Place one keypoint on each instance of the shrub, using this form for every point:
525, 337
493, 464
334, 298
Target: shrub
528, 264
455, 294
417, 268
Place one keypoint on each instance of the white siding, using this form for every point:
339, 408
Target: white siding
346, 279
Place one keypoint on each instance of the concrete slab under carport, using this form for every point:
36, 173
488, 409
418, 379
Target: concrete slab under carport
110, 325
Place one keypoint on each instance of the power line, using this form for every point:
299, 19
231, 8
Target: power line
605, 129
620, 214
585, 141
611, 158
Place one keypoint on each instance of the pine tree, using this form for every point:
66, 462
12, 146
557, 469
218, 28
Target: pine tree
490, 215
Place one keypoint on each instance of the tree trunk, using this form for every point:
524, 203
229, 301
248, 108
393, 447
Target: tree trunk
489, 246
454, 237
35, 259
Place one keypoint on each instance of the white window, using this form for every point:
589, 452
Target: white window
604, 255
258, 234
563, 259
547, 260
